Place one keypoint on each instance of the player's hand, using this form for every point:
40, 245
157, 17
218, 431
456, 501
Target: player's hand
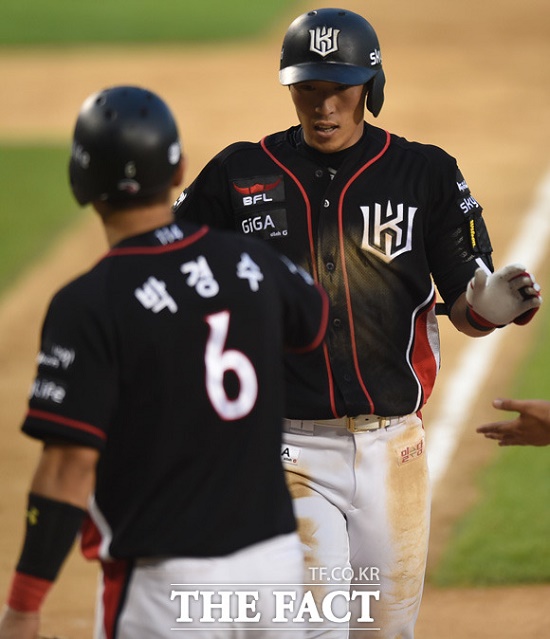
19, 625
530, 428
507, 295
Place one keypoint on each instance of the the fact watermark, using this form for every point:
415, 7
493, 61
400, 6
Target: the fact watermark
367, 575
326, 599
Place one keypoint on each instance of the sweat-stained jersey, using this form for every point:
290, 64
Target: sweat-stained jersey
167, 356
376, 225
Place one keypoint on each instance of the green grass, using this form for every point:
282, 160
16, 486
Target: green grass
35, 204
47, 22
504, 539
35, 199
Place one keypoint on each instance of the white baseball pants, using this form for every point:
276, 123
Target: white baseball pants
363, 507
156, 606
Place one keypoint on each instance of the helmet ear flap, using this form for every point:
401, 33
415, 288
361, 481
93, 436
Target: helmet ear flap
375, 95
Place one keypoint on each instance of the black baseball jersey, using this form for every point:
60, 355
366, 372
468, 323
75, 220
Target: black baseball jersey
376, 225
167, 356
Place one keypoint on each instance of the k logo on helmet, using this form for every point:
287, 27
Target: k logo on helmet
323, 40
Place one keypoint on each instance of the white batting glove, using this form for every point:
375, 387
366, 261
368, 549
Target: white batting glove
507, 295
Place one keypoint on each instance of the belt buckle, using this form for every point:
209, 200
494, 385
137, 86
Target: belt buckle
371, 422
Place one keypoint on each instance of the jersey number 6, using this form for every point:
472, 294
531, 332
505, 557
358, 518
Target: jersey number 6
218, 362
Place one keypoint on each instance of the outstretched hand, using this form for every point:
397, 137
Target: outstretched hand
510, 294
530, 428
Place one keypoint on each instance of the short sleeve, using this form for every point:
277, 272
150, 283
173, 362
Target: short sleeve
73, 394
306, 308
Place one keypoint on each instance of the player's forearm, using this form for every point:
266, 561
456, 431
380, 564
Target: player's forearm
66, 473
60, 489
459, 318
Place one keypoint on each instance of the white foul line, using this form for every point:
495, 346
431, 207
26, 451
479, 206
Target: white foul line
476, 360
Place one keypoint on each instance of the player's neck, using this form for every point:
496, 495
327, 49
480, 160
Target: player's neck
126, 223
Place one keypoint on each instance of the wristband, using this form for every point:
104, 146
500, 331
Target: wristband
27, 593
480, 323
50, 533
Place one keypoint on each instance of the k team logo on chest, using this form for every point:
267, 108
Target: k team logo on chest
387, 230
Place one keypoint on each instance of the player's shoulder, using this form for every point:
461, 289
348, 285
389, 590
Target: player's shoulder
84, 293
431, 152
242, 153
89, 281
282, 138
242, 147
236, 148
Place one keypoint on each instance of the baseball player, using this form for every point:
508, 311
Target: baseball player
377, 220
159, 396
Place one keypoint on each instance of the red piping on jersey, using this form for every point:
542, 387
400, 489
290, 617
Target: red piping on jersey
115, 580
422, 356
65, 421
154, 250
344, 270
313, 261
90, 538
308, 206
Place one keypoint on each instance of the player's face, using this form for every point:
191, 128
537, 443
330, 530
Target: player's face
331, 114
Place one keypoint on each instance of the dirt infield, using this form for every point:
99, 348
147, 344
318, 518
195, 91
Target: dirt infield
464, 77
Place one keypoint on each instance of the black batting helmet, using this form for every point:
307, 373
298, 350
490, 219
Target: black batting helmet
125, 146
334, 45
